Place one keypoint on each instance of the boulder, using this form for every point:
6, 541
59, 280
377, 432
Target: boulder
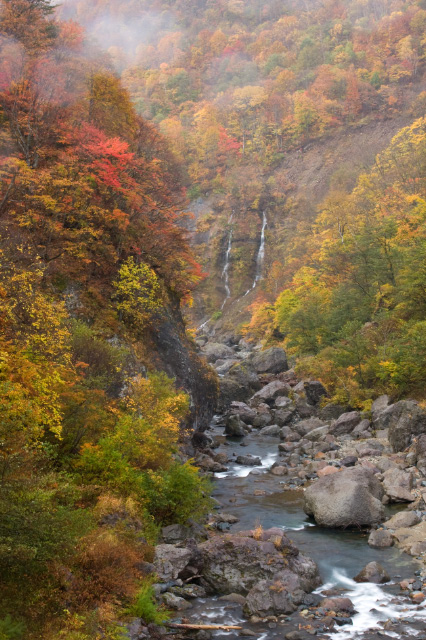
246, 413
327, 471
175, 533
263, 416
274, 597
380, 539
373, 572
272, 430
379, 405
283, 416
349, 461
405, 420
289, 435
248, 461
216, 351
349, 498
236, 563
235, 426
317, 434
223, 366
398, 485
306, 426
362, 429
273, 360
314, 391
283, 402
172, 601
331, 411
412, 540
345, 423
338, 604
170, 561
403, 519
269, 392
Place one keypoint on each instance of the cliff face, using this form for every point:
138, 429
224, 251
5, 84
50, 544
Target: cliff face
175, 353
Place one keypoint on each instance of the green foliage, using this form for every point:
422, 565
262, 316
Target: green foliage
11, 629
145, 607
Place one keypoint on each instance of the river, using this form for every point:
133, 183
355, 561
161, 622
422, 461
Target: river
340, 555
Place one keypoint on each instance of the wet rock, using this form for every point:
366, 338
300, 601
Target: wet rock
272, 360
272, 430
170, 561
403, 519
270, 392
338, 604
398, 485
405, 420
235, 426
248, 461
417, 597
380, 539
314, 391
346, 423
373, 572
216, 351
349, 498
208, 464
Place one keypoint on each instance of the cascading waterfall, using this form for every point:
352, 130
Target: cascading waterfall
260, 256
225, 272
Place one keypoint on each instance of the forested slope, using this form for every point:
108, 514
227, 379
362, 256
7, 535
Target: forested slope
95, 267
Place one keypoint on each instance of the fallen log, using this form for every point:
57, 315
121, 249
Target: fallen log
204, 627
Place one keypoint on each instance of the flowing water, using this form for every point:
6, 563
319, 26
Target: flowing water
340, 555
225, 272
260, 256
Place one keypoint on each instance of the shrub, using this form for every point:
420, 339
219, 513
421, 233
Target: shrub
11, 629
145, 607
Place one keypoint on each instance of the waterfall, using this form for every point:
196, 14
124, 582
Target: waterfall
225, 272
260, 256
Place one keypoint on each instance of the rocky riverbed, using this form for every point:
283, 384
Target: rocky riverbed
320, 522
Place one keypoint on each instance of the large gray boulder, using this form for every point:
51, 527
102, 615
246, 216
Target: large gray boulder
235, 427
272, 360
405, 420
236, 563
398, 485
170, 561
270, 392
239, 384
306, 426
346, 423
216, 351
246, 413
350, 498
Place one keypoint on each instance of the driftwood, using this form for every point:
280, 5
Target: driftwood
212, 627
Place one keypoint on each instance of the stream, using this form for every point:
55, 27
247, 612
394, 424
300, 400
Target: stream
340, 555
